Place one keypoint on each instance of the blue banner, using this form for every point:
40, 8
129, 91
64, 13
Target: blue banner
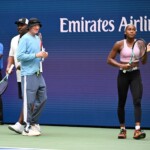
78, 34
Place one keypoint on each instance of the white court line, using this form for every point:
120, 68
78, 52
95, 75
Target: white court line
19, 148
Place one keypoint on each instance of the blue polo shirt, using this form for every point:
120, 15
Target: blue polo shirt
1, 53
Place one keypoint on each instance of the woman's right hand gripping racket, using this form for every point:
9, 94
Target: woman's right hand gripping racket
148, 47
4, 81
139, 50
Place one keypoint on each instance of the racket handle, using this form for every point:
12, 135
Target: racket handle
41, 67
10, 69
43, 50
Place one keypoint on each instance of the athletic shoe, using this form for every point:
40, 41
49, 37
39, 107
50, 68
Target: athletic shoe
31, 132
139, 134
17, 127
36, 127
122, 134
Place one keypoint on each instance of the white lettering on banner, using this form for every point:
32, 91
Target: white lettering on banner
80, 26
142, 24
62, 24
83, 25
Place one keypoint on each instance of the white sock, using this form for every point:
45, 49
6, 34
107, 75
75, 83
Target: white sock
137, 127
123, 128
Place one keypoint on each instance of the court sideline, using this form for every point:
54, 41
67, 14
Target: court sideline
73, 138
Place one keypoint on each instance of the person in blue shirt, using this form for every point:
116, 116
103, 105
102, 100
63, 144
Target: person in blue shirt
1, 67
33, 84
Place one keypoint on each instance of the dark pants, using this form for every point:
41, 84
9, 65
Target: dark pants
133, 81
1, 103
19, 90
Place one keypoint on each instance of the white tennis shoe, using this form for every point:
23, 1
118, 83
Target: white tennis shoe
17, 127
31, 132
36, 127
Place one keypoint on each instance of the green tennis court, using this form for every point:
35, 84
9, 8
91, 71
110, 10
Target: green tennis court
73, 138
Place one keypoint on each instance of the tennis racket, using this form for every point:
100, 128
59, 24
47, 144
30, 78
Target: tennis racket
4, 81
139, 49
42, 49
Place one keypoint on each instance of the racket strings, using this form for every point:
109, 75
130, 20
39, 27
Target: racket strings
142, 47
139, 50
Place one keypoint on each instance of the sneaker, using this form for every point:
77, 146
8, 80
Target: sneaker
36, 127
17, 127
122, 134
139, 134
31, 132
